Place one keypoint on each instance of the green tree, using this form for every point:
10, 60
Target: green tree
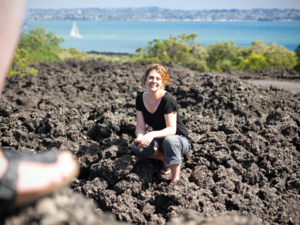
35, 46
40, 45
223, 55
181, 50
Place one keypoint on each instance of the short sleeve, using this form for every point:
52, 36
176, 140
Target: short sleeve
170, 104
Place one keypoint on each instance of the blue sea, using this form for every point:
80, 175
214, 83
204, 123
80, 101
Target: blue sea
127, 36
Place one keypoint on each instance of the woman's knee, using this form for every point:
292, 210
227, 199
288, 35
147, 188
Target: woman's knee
171, 142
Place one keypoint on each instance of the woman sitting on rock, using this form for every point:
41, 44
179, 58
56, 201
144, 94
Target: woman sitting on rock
169, 140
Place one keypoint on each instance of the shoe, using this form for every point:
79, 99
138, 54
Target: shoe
166, 170
9, 198
44, 157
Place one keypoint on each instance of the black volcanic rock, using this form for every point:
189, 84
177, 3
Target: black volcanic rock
243, 167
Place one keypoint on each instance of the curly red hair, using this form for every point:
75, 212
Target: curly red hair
159, 69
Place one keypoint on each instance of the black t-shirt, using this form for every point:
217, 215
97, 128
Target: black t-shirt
157, 120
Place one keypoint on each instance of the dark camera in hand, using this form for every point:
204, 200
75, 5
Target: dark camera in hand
137, 144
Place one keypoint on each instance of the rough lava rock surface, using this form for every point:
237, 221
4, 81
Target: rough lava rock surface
244, 166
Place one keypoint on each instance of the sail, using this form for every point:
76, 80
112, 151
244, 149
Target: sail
75, 32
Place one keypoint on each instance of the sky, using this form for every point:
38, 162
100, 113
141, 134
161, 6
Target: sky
170, 4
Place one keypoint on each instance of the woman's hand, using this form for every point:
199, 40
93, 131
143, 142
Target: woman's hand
137, 141
147, 139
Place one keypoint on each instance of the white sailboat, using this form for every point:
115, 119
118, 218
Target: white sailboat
74, 32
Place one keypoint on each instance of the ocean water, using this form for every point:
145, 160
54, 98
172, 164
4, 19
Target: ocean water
127, 36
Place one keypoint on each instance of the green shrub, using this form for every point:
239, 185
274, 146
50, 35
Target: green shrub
184, 50
20, 64
268, 56
38, 39
297, 53
223, 55
254, 61
41, 46
181, 50
35, 46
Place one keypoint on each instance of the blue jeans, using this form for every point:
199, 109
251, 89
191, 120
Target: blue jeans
173, 146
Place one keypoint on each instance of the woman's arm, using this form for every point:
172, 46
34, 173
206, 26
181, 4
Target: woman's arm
171, 126
140, 125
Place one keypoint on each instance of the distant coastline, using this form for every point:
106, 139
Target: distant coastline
159, 14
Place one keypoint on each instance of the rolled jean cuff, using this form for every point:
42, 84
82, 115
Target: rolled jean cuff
173, 161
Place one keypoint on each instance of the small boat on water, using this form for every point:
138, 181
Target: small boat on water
75, 32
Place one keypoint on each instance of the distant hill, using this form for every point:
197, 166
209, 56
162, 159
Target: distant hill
160, 14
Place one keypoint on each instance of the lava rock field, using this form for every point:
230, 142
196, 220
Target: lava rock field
243, 168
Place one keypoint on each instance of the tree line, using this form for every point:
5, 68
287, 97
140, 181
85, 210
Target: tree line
221, 56
40, 46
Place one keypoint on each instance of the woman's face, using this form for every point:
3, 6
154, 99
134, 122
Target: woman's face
154, 81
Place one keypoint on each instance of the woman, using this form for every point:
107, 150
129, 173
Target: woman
169, 139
